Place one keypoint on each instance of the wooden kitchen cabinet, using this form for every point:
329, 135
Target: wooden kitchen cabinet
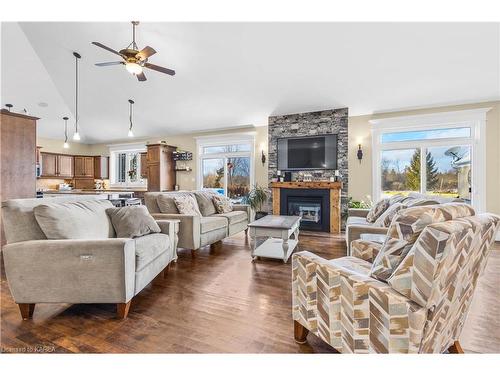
160, 167
144, 164
65, 166
49, 164
84, 166
101, 167
56, 165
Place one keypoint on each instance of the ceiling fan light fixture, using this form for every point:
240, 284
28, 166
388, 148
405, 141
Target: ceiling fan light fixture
133, 68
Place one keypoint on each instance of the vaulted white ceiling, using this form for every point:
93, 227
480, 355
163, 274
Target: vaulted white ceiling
237, 74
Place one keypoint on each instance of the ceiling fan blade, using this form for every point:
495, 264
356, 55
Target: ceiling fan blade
141, 77
145, 53
107, 49
160, 69
110, 63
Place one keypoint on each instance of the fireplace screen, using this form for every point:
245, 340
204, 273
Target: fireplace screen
307, 211
312, 205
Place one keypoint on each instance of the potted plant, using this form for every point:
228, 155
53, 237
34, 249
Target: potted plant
256, 198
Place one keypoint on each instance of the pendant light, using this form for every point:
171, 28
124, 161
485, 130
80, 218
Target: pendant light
76, 135
130, 132
66, 144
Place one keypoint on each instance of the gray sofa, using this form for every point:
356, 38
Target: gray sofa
357, 227
198, 231
90, 269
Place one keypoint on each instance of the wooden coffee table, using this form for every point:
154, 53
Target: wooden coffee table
278, 229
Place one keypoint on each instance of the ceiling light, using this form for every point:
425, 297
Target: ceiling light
76, 136
133, 68
130, 133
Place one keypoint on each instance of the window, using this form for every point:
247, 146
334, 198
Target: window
441, 154
125, 166
226, 165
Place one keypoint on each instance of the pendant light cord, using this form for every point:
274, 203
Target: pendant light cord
76, 94
130, 114
65, 130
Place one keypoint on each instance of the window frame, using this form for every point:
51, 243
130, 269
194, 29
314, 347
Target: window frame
114, 150
224, 140
475, 119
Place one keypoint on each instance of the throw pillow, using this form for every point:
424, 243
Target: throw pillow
187, 205
132, 221
390, 256
385, 219
205, 202
377, 210
75, 220
222, 204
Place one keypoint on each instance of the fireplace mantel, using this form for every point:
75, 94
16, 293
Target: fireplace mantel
333, 187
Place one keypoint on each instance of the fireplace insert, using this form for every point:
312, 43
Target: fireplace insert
313, 205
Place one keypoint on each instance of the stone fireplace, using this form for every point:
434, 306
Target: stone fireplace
334, 121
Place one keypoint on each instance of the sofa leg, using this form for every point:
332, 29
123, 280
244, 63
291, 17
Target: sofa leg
246, 232
165, 271
216, 245
300, 332
26, 310
193, 253
122, 309
456, 348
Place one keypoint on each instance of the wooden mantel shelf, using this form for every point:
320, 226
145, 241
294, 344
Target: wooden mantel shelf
307, 185
333, 187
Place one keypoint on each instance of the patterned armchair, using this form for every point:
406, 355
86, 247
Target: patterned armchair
408, 295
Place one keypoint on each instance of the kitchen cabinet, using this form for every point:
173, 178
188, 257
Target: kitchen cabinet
65, 166
84, 166
83, 183
160, 167
49, 164
101, 167
56, 165
144, 164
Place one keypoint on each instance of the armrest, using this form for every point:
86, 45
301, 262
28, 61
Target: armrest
359, 212
189, 229
71, 271
351, 311
243, 207
365, 250
170, 227
354, 232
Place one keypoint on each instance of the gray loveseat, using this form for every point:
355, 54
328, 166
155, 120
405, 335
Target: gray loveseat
357, 227
198, 231
95, 268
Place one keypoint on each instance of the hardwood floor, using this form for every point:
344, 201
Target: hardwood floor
218, 302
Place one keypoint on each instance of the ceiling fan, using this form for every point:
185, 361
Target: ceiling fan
134, 59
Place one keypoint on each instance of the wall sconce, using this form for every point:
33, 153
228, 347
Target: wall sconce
263, 158
360, 153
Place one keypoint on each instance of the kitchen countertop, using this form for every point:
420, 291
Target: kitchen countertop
92, 191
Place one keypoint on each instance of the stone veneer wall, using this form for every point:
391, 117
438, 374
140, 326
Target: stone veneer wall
334, 121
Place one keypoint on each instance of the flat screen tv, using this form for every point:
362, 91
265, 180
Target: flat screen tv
304, 153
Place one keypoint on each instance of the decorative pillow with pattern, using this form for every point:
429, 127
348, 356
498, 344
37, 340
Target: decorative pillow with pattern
222, 204
405, 229
398, 198
416, 202
377, 210
187, 205
385, 219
